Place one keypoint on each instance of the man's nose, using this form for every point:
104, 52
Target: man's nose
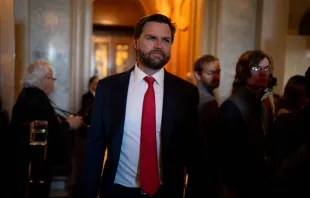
158, 44
263, 73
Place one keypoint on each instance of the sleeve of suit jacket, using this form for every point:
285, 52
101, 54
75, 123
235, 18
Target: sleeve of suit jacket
95, 147
191, 152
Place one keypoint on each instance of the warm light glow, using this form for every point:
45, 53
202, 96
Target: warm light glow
163, 7
121, 57
101, 58
51, 53
107, 22
51, 19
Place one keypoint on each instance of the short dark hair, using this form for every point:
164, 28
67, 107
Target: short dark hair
246, 61
307, 76
272, 82
154, 18
205, 59
91, 80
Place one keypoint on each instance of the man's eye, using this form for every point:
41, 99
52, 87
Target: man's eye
167, 41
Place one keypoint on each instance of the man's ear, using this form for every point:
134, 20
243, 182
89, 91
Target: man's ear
135, 43
197, 76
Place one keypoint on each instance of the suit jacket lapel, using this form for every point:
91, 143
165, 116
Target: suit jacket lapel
167, 116
167, 105
118, 101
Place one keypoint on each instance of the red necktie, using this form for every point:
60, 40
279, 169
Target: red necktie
149, 176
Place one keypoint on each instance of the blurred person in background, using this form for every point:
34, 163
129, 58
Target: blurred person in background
207, 72
33, 104
294, 97
87, 104
291, 151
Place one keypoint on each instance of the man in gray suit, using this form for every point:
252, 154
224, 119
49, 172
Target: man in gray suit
207, 73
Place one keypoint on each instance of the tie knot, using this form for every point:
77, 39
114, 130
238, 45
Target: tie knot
149, 80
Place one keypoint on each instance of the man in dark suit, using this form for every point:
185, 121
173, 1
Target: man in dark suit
146, 118
87, 105
207, 71
89, 97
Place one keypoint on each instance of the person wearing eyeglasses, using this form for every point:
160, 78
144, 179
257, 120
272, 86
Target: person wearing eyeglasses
32, 104
244, 120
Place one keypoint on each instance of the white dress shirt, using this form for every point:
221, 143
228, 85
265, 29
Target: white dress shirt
128, 168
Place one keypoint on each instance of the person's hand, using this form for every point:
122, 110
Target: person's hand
74, 121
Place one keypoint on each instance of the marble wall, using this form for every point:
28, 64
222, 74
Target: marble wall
50, 35
237, 34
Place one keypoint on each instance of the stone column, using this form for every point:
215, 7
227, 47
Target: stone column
81, 51
209, 22
50, 35
237, 28
21, 8
7, 49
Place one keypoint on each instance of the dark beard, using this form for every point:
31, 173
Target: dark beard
147, 61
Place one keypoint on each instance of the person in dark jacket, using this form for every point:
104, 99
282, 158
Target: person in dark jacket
207, 72
244, 121
291, 150
33, 104
87, 104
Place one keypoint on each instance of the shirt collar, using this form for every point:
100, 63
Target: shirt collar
92, 92
139, 75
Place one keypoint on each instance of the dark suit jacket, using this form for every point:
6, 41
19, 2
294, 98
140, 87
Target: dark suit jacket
244, 169
86, 112
208, 131
33, 104
179, 120
87, 99
291, 154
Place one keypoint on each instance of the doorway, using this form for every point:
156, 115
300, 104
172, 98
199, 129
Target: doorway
113, 27
113, 49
